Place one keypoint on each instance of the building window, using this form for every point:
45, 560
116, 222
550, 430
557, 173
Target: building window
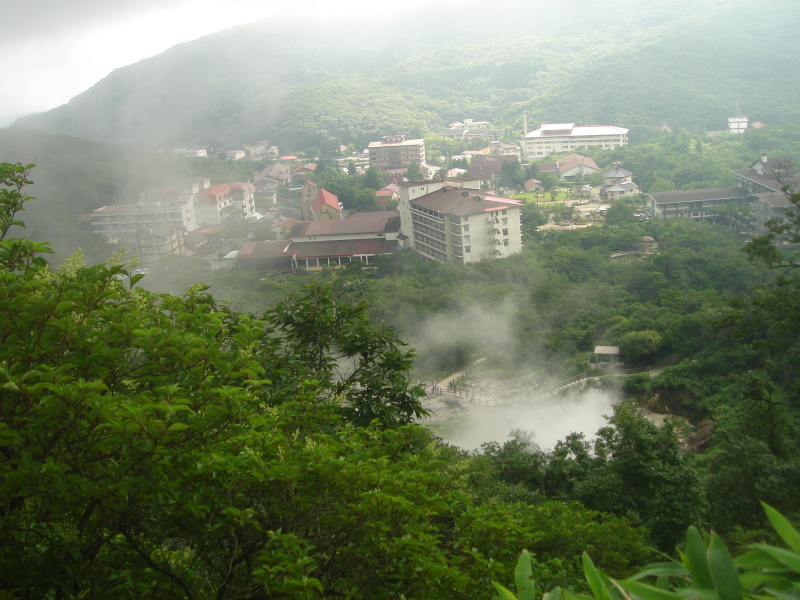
505, 221
466, 238
466, 227
467, 248
466, 217
505, 242
504, 212
505, 231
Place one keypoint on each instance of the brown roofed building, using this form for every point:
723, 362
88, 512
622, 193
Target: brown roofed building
454, 224
572, 165
316, 244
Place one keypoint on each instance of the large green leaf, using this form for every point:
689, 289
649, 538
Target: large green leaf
788, 533
696, 558
786, 557
554, 594
723, 572
595, 579
647, 592
792, 594
523, 576
756, 560
505, 593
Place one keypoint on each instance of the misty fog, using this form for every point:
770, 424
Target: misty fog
549, 419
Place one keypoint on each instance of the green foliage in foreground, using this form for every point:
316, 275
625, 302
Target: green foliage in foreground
163, 446
632, 469
706, 570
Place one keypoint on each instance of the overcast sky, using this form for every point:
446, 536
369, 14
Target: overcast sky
52, 50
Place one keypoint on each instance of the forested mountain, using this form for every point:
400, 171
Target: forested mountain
302, 82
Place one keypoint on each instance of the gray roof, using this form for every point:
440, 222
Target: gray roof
694, 195
618, 172
753, 175
373, 223
775, 199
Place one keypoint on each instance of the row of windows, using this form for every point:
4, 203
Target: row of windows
429, 232
423, 239
433, 253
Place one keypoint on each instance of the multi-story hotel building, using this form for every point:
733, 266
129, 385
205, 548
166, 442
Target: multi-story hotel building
396, 152
456, 224
552, 138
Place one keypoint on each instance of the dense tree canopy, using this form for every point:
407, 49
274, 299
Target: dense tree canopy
166, 446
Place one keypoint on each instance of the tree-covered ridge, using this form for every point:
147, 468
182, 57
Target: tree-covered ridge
619, 63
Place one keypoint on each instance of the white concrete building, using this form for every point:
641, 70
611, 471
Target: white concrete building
192, 152
737, 124
552, 138
211, 204
396, 152
452, 223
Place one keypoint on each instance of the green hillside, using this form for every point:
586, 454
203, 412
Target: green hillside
304, 83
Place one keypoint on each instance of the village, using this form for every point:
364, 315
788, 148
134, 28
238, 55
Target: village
443, 212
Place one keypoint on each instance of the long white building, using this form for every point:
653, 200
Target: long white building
452, 223
552, 138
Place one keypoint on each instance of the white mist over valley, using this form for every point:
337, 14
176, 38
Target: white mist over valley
548, 419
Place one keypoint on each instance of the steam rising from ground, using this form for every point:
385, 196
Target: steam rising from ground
550, 419
466, 331
510, 374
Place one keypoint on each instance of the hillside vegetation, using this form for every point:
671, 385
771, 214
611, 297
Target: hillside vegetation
305, 83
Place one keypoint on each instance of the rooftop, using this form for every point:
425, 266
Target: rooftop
458, 201
764, 180
342, 248
570, 130
693, 195
775, 199
324, 197
380, 144
372, 223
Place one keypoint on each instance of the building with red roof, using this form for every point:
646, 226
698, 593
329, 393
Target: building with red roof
319, 204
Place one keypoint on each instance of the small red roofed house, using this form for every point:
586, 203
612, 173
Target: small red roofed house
326, 206
319, 204
306, 169
389, 192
